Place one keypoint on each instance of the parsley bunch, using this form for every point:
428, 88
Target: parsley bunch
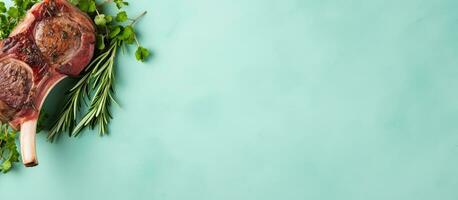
96, 86
9, 17
8, 149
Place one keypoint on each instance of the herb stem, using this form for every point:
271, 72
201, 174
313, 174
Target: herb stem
136, 40
136, 19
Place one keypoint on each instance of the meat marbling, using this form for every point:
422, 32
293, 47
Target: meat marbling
55, 40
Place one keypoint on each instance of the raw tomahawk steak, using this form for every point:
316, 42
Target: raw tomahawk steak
55, 40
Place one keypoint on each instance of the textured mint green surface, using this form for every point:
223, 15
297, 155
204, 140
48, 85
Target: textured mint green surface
269, 100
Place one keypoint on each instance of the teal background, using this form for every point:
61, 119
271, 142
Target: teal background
277, 99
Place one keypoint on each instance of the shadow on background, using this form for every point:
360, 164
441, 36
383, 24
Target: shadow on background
54, 103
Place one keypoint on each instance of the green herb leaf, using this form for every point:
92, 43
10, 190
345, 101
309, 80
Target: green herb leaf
6, 166
100, 20
9, 153
121, 16
127, 35
2, 7
109, 18
142, 54
88, 6
120, 3
92, 6
115, 31
13, 12
83, 5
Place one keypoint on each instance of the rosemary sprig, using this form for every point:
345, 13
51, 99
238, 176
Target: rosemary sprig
101, 78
